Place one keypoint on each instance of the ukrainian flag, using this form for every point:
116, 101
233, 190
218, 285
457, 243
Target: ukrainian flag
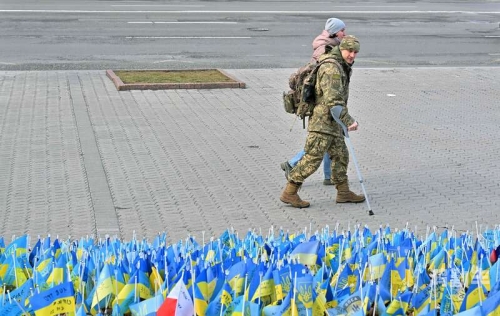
376, 264
200, 304
104, 287
18, 247
44, 267
306, 252
438, 262
421, 300
282, 282
491, 306
58, 300
289, 307
155, 279
129, 294
260, 288
400, 303
236, 277
59, 273
474, 295
148, 307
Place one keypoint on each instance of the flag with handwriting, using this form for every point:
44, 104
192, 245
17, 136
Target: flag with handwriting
57, 300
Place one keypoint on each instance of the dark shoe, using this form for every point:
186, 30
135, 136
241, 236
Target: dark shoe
327, 182
290, 196
344, 195
285, 166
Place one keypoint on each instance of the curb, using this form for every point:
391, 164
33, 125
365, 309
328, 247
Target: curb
120, 86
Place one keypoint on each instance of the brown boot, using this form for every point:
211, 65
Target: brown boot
344, 195
290, 196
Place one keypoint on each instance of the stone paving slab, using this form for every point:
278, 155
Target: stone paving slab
78, 157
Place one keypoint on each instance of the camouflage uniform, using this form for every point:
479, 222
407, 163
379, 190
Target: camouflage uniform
324, 134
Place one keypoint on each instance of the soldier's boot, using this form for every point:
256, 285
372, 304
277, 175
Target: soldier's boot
290, 196
344, 195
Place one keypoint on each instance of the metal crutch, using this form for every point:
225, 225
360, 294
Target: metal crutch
335, 111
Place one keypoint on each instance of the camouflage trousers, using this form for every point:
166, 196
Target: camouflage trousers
316, 146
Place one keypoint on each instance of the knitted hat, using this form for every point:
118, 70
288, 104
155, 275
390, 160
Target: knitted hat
349, 42
334, 25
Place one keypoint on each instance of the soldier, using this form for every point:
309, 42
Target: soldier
324, 135
333, 33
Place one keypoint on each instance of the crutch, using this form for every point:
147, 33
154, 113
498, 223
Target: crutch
335, 111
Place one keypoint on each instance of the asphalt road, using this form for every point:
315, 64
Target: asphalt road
91, 35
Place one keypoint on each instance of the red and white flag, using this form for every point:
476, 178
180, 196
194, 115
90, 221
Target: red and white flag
177, 303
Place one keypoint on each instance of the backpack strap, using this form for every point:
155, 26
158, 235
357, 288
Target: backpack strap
327, 60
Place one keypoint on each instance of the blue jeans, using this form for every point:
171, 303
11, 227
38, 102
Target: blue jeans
327, 163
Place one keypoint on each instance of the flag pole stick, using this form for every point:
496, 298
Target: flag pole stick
80, 274
193, 284
294, 293
480, 279
361, 275
244, 292
340, 263
19, 305
14, 262
3, 295
116, 285
166, 272
83, 296
221, 309
97, 296
35, 279
375, 301
260, 288
434, 285
135, 289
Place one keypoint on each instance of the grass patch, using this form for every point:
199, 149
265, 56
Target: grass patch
172, 76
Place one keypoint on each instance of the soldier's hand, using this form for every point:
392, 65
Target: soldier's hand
353, 127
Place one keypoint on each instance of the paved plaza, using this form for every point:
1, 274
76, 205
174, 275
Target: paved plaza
78, 158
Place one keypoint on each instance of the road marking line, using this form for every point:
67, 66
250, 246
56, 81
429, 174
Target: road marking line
3, 63
173, 60
188, 37
174, 22
492, 36
198, 6
372, 6
158, 5
255, 12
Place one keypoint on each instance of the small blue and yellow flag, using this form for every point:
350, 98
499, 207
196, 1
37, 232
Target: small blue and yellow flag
475, 294
58, 300
147, 307
306, 252
491, 306
376, 266
400, 304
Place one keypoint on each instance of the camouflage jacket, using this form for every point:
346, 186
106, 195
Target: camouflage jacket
332, 88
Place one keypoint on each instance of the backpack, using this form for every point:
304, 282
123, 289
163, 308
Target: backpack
300, 99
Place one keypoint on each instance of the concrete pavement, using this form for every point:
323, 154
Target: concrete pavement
77, 157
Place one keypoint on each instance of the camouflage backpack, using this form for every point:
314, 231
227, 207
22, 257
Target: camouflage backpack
300, 99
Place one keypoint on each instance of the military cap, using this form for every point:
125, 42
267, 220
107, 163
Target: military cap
349, 42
